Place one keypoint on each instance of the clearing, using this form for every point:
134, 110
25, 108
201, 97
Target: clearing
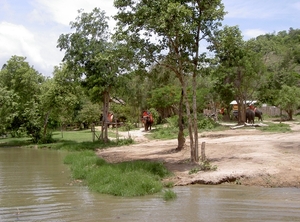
244, 156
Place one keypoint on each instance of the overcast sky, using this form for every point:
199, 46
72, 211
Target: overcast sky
31, 28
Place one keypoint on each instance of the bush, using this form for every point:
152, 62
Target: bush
205, 123
48, 138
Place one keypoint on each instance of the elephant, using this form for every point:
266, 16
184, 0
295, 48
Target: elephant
147, 119
258, 114
250, 115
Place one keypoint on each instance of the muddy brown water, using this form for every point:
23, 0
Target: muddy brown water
35, 185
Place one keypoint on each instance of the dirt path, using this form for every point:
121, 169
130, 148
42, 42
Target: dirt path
243, 156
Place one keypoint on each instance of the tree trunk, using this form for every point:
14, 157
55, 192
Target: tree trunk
195, 119
190, 126
241, 111
181, 138
104, 133
46, 123
290, 114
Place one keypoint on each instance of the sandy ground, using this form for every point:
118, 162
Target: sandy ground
244, 156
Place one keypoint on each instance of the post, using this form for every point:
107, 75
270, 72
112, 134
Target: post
203, 157
93, 131
117, 132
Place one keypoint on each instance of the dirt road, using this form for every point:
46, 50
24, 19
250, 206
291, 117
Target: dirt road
244, 156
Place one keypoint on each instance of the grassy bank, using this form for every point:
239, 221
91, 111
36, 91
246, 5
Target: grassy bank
128, 179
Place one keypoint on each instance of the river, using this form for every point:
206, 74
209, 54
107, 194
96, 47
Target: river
35, 185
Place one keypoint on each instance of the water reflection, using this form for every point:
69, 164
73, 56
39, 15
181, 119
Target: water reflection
35, 186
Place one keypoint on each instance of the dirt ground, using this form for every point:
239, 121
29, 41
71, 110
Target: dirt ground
244, 156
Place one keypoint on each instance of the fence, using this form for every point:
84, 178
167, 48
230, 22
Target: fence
271, 111
266, 110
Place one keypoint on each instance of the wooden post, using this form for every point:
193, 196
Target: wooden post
93, 131
117, 131
203, 157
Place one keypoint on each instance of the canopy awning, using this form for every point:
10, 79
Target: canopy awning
247, 102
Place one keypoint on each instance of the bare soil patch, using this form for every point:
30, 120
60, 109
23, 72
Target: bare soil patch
245, 156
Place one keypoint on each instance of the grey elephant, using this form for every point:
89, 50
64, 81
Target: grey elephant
250, 115
258, 114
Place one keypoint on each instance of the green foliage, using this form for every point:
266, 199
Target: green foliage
20, 87
90, 113
239, 67
123, 179
155, 115
172, 121
164, 97
47, 138
289, 99
205, 123
169, 195
281, 53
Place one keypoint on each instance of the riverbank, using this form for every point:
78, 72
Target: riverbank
244, 156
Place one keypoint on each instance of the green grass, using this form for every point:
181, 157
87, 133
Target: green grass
128, 179
68, 140
13, 142
276, 128
88, 145
78, 136
164, 133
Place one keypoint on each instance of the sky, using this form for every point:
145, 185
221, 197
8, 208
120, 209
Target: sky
31, 28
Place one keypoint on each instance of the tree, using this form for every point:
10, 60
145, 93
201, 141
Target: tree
177, 27
23, 84
281, 57
59, 97
91, 56
89, 113
239, 68
8, 107
289, 99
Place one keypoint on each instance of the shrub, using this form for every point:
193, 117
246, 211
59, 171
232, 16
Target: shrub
169, 195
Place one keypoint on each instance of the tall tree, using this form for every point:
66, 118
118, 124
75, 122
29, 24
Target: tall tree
91, 55
239, 67
171, 31
59, 96
19, 78
288, 99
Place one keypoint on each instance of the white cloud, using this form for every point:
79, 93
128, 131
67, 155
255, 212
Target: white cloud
17, 40
65, 11
40, 50
252, 33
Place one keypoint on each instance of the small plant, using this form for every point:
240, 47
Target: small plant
168, 184
206, 166
194, 170
238, 182
169, 195
203, 166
